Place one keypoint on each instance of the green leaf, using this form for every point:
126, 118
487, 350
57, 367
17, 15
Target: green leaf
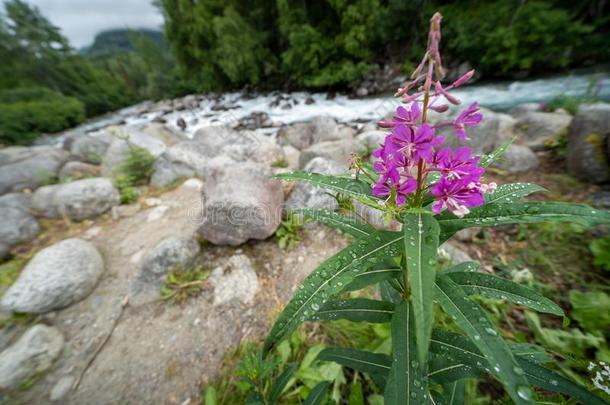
373, 276
530, 352
355, 394
471, 318
510, 193
281, 382
488, 159
366, 362
421, 249
211, 397
601, 252
316, 395
455, 392
494, 287
465, 267
522, 213
330, 278
591, 309
407, 382
389, 293
348, 224
444, 370
356, 188
355, 310
467, 358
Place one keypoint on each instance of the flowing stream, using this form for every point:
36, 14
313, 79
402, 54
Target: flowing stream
301, 106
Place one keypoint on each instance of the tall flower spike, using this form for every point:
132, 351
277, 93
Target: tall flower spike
468, 118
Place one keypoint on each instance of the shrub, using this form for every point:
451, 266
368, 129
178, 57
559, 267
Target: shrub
25, 114
138, 166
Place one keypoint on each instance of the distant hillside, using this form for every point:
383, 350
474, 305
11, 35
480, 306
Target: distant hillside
119, 40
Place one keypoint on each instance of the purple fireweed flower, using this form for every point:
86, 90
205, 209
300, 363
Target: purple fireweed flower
456, 195
387, 171
469, 117
458, 163
440, 91
414, 144
383, 189
403, 116
463, 79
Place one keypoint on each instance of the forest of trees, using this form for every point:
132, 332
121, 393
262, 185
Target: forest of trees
215, 45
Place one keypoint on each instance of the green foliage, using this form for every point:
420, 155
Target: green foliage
9, 272
600, 248
503, 36
287, 234
26, 113
591, 309
128, 192
182, 284
135, 171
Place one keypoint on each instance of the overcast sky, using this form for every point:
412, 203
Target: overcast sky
80, 20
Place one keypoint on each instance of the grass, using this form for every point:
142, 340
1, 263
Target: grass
287, 234
281, 163
180, 285
9, 272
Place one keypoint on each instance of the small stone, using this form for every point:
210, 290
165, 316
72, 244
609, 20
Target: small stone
235, 281
157, 213
454, 253
33, 353
517, 159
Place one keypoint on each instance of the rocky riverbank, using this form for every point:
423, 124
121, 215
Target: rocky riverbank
97, 330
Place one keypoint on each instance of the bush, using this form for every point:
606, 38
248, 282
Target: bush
135, 171
27, 113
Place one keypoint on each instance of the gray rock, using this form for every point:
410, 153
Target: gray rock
78, 200
304, 134
169, 253
601, 200
240, 205
467, 234
291, 154
33, 353
305, 195
517, 159
493, 131
524, 108
454, 254
18, 224
56, 277
538, 127
214, 150
588, 135
371, 140
31, 172
14, 154
4, 250
236, 281
61, 388
78, 170
88, 148
126, 138
339, 151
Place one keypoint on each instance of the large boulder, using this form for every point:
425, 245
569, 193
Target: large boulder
305, 195
493, 131
319, 129
55, 278
78, 200
31, 172
88, 148
173, 252
78, 170
215, 149
538, 127
14, 154
525, 108
339, 151
588, 136
240, 205
371, 140
32, 354
124, 139
517, 159
18, 224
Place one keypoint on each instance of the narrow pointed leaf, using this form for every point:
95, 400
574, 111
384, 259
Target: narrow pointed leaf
445, 370
316, 395
471, 318
373, 276
531, 352
348, 224
488, 159
355, 310
366, 362
522, 213
278, 386
465, 267
389, 293
407, 382
330, 278
462, 355
421, 247
356, 188
455, 392
494, 287
510, 193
